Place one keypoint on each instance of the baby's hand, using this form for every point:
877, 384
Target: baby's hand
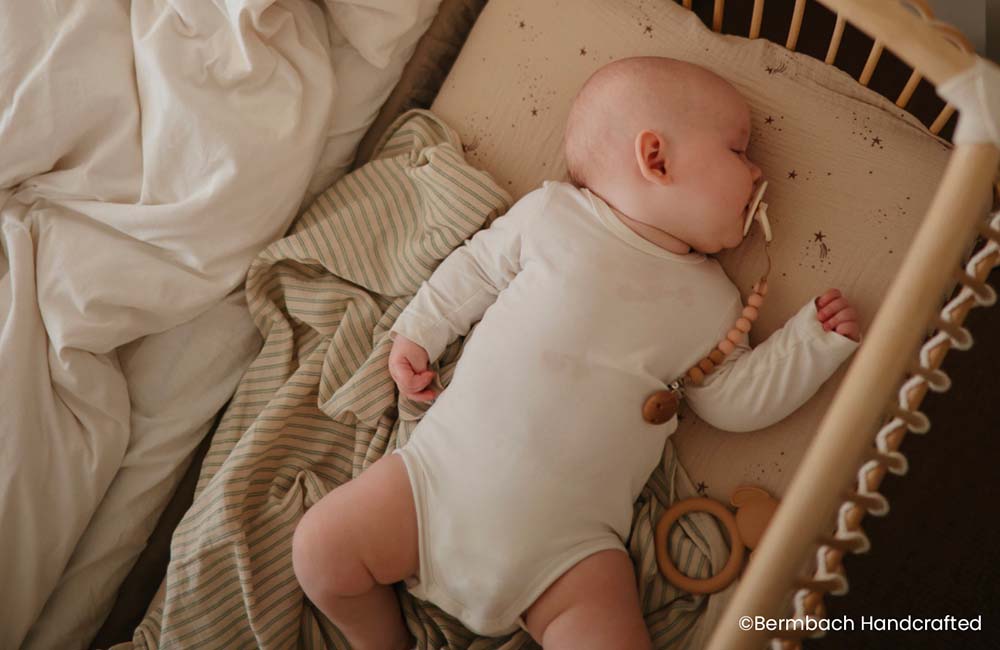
408, 368
836, 314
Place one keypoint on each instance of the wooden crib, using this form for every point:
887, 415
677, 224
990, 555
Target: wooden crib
799, 560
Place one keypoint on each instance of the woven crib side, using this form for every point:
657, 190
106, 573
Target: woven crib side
903, 415
820, 519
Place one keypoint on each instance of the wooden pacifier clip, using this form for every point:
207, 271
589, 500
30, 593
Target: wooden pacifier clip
662, 405
754, 504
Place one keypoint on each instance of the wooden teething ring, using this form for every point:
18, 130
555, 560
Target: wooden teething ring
720, 580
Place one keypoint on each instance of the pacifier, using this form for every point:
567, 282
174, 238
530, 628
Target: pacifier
758, 210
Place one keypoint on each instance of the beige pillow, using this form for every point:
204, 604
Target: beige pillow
850, 173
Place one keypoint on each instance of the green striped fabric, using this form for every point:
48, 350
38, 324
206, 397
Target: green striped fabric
318, 406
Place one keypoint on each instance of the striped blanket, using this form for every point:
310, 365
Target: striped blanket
318, 406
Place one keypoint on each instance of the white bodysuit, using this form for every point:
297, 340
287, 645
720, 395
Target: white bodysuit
532, 457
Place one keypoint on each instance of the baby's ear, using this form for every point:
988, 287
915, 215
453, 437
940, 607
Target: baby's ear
651, 156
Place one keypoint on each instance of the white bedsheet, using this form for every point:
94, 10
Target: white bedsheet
177, 381
147, 152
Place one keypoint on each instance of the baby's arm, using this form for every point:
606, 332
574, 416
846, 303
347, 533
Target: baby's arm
756, 387
468, 281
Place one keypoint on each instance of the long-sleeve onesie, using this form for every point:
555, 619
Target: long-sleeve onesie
532, 457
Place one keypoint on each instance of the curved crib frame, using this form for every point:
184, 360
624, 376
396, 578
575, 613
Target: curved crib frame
843, 467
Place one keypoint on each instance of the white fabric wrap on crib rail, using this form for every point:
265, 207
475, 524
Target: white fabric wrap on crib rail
975, 92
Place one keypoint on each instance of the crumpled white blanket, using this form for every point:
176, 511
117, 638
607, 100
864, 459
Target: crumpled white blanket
148, 151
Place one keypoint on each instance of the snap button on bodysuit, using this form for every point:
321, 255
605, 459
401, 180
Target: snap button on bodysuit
660, 407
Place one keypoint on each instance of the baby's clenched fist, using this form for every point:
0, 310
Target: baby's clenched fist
834, 313
408, 363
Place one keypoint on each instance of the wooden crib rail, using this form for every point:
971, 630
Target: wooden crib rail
821, 484
923, 47
911, 38
823, 495
919, 8
828, 574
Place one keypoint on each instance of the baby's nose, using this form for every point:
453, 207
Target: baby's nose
755, 172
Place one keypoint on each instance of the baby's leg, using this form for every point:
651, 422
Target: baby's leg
352, 546
593, 606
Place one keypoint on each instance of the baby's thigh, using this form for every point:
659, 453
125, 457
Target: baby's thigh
368, 524
593, 606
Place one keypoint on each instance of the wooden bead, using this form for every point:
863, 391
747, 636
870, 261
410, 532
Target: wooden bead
726, 346
716, 356
696, 375
763, 288
750, 313
735, 335
755, 300
706, 365
743, 325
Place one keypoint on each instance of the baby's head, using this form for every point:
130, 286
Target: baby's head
664, 142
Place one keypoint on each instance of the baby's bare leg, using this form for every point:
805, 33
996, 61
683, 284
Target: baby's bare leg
352, 546
593, 606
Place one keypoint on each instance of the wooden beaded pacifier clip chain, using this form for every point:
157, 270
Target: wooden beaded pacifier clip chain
748, 525
662, 405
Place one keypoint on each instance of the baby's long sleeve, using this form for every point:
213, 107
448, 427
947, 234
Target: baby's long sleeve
468, 281
756, 387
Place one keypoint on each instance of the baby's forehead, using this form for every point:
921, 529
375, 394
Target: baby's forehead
680, 90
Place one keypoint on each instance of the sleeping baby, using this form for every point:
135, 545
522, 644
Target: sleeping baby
510, 505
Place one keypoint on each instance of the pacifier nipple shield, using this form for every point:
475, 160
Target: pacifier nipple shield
758, 210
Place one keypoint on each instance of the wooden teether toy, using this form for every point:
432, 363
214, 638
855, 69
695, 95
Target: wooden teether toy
754, 510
